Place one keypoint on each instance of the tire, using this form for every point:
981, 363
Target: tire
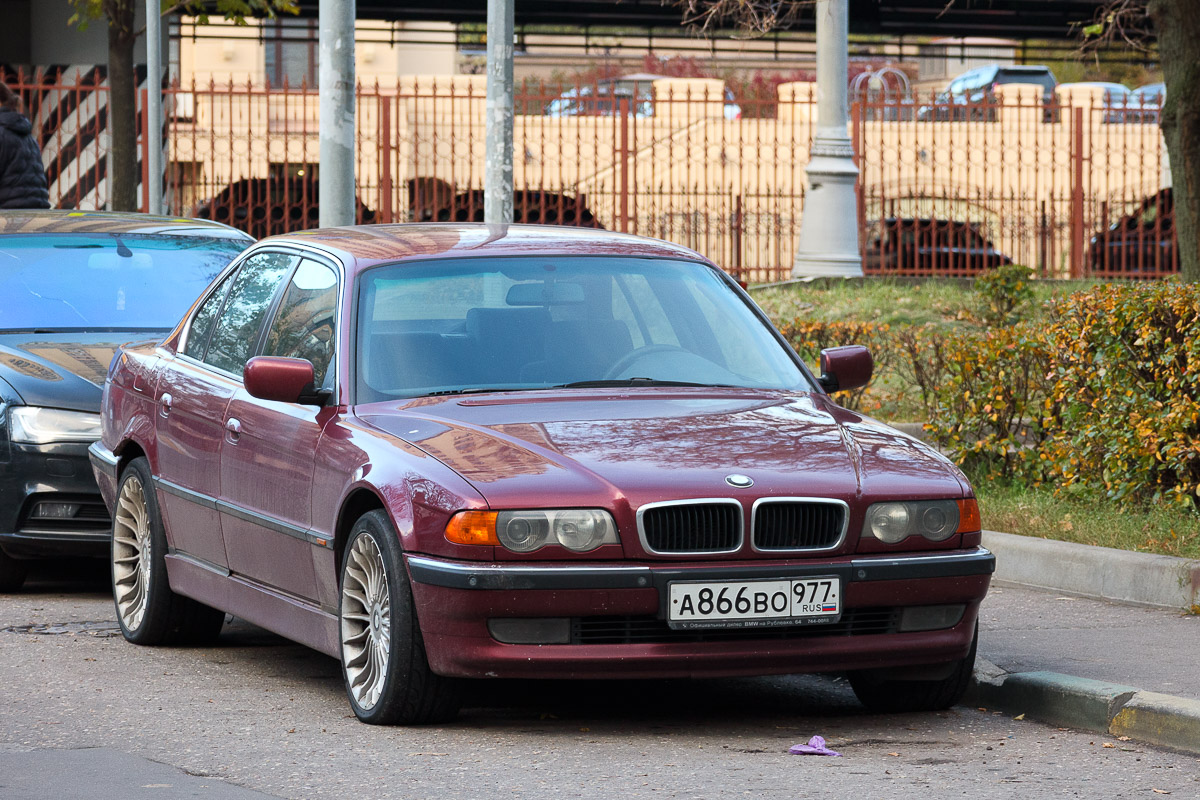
895, 696
148, 612
386, 672
12, 572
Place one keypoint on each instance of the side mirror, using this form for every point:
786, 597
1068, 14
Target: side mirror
285, 380
845, 368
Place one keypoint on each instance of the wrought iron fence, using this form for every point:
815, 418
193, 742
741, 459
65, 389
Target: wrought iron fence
1071, 187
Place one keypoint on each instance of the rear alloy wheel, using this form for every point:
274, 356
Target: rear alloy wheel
387, 675
147, 610
12, 572
885, 696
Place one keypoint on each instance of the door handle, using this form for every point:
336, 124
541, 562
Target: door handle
164, 404
233, 430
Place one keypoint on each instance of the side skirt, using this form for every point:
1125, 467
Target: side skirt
287, 616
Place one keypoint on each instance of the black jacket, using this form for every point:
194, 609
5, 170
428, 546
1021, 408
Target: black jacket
22, 177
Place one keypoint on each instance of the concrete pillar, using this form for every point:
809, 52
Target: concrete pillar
828, 243
154, 107
498, 169
336, 42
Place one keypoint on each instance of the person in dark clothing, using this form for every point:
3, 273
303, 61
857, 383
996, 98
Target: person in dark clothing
22, 176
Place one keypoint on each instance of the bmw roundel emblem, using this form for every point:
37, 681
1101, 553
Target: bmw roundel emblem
740, 481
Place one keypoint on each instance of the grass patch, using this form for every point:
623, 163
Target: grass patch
1038, 512
892, 301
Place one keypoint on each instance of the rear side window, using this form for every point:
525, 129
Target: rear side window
202, 323
241, 319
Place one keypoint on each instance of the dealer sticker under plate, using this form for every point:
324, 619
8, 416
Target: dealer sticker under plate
754, 604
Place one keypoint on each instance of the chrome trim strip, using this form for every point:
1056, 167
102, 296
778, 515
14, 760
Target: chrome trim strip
460, 575
741, 537
785, 500
103, 460
485, 576
187, 494
225, 507
979, 561
200, 562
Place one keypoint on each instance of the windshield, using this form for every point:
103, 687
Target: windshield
109, 281
533, 323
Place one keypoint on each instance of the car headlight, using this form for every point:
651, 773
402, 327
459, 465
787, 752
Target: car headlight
577, 529
34, 425
935, 520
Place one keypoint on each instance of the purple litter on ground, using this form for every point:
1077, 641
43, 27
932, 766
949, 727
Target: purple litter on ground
815, 747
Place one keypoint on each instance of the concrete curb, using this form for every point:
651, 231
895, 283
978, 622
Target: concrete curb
1100, 573
1091, 705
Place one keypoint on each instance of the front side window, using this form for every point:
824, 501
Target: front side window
236, 334
555, 322
305, 322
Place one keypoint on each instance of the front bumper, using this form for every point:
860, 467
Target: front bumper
618, 629
54, 473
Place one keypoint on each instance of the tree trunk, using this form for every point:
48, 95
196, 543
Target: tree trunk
122, 107
1178, 27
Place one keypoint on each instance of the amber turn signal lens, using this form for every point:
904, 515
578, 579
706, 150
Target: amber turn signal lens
968, 516
473, 527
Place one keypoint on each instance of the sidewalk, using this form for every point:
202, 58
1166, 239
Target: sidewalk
1056, 646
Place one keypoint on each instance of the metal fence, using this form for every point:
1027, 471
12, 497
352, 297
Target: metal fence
1069, 185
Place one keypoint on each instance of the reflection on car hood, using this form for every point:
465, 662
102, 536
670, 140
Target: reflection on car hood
60, 370
653, 444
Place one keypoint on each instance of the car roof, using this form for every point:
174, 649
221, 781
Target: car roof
373, 244
40, 221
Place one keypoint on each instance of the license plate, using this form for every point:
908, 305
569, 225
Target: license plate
754, 604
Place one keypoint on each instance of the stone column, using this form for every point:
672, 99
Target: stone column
498, 170
336, 191
828, 243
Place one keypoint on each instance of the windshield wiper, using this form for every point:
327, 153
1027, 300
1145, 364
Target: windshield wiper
477, 390
621, 382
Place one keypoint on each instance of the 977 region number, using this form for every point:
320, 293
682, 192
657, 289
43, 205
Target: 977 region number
749, 604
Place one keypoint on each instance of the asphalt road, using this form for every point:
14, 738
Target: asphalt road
84, 714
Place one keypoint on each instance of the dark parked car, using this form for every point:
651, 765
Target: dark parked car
1149, 100
76, 286
268, 206
1139, 244
604, 98
929, 247
440, 452
968, 97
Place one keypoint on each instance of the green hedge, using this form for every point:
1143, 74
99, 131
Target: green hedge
1127, 387
1105, 398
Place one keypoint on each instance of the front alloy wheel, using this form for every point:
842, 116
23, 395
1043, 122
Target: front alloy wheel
386, 671
366, 622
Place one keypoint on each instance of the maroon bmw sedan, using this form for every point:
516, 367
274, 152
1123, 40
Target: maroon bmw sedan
446, 452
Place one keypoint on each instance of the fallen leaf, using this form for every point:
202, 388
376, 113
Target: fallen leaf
1109, 744
1123, 739
1161, 791
1019, 716
893, 754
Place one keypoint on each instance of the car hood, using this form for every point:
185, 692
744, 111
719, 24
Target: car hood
655, 444
61, 370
